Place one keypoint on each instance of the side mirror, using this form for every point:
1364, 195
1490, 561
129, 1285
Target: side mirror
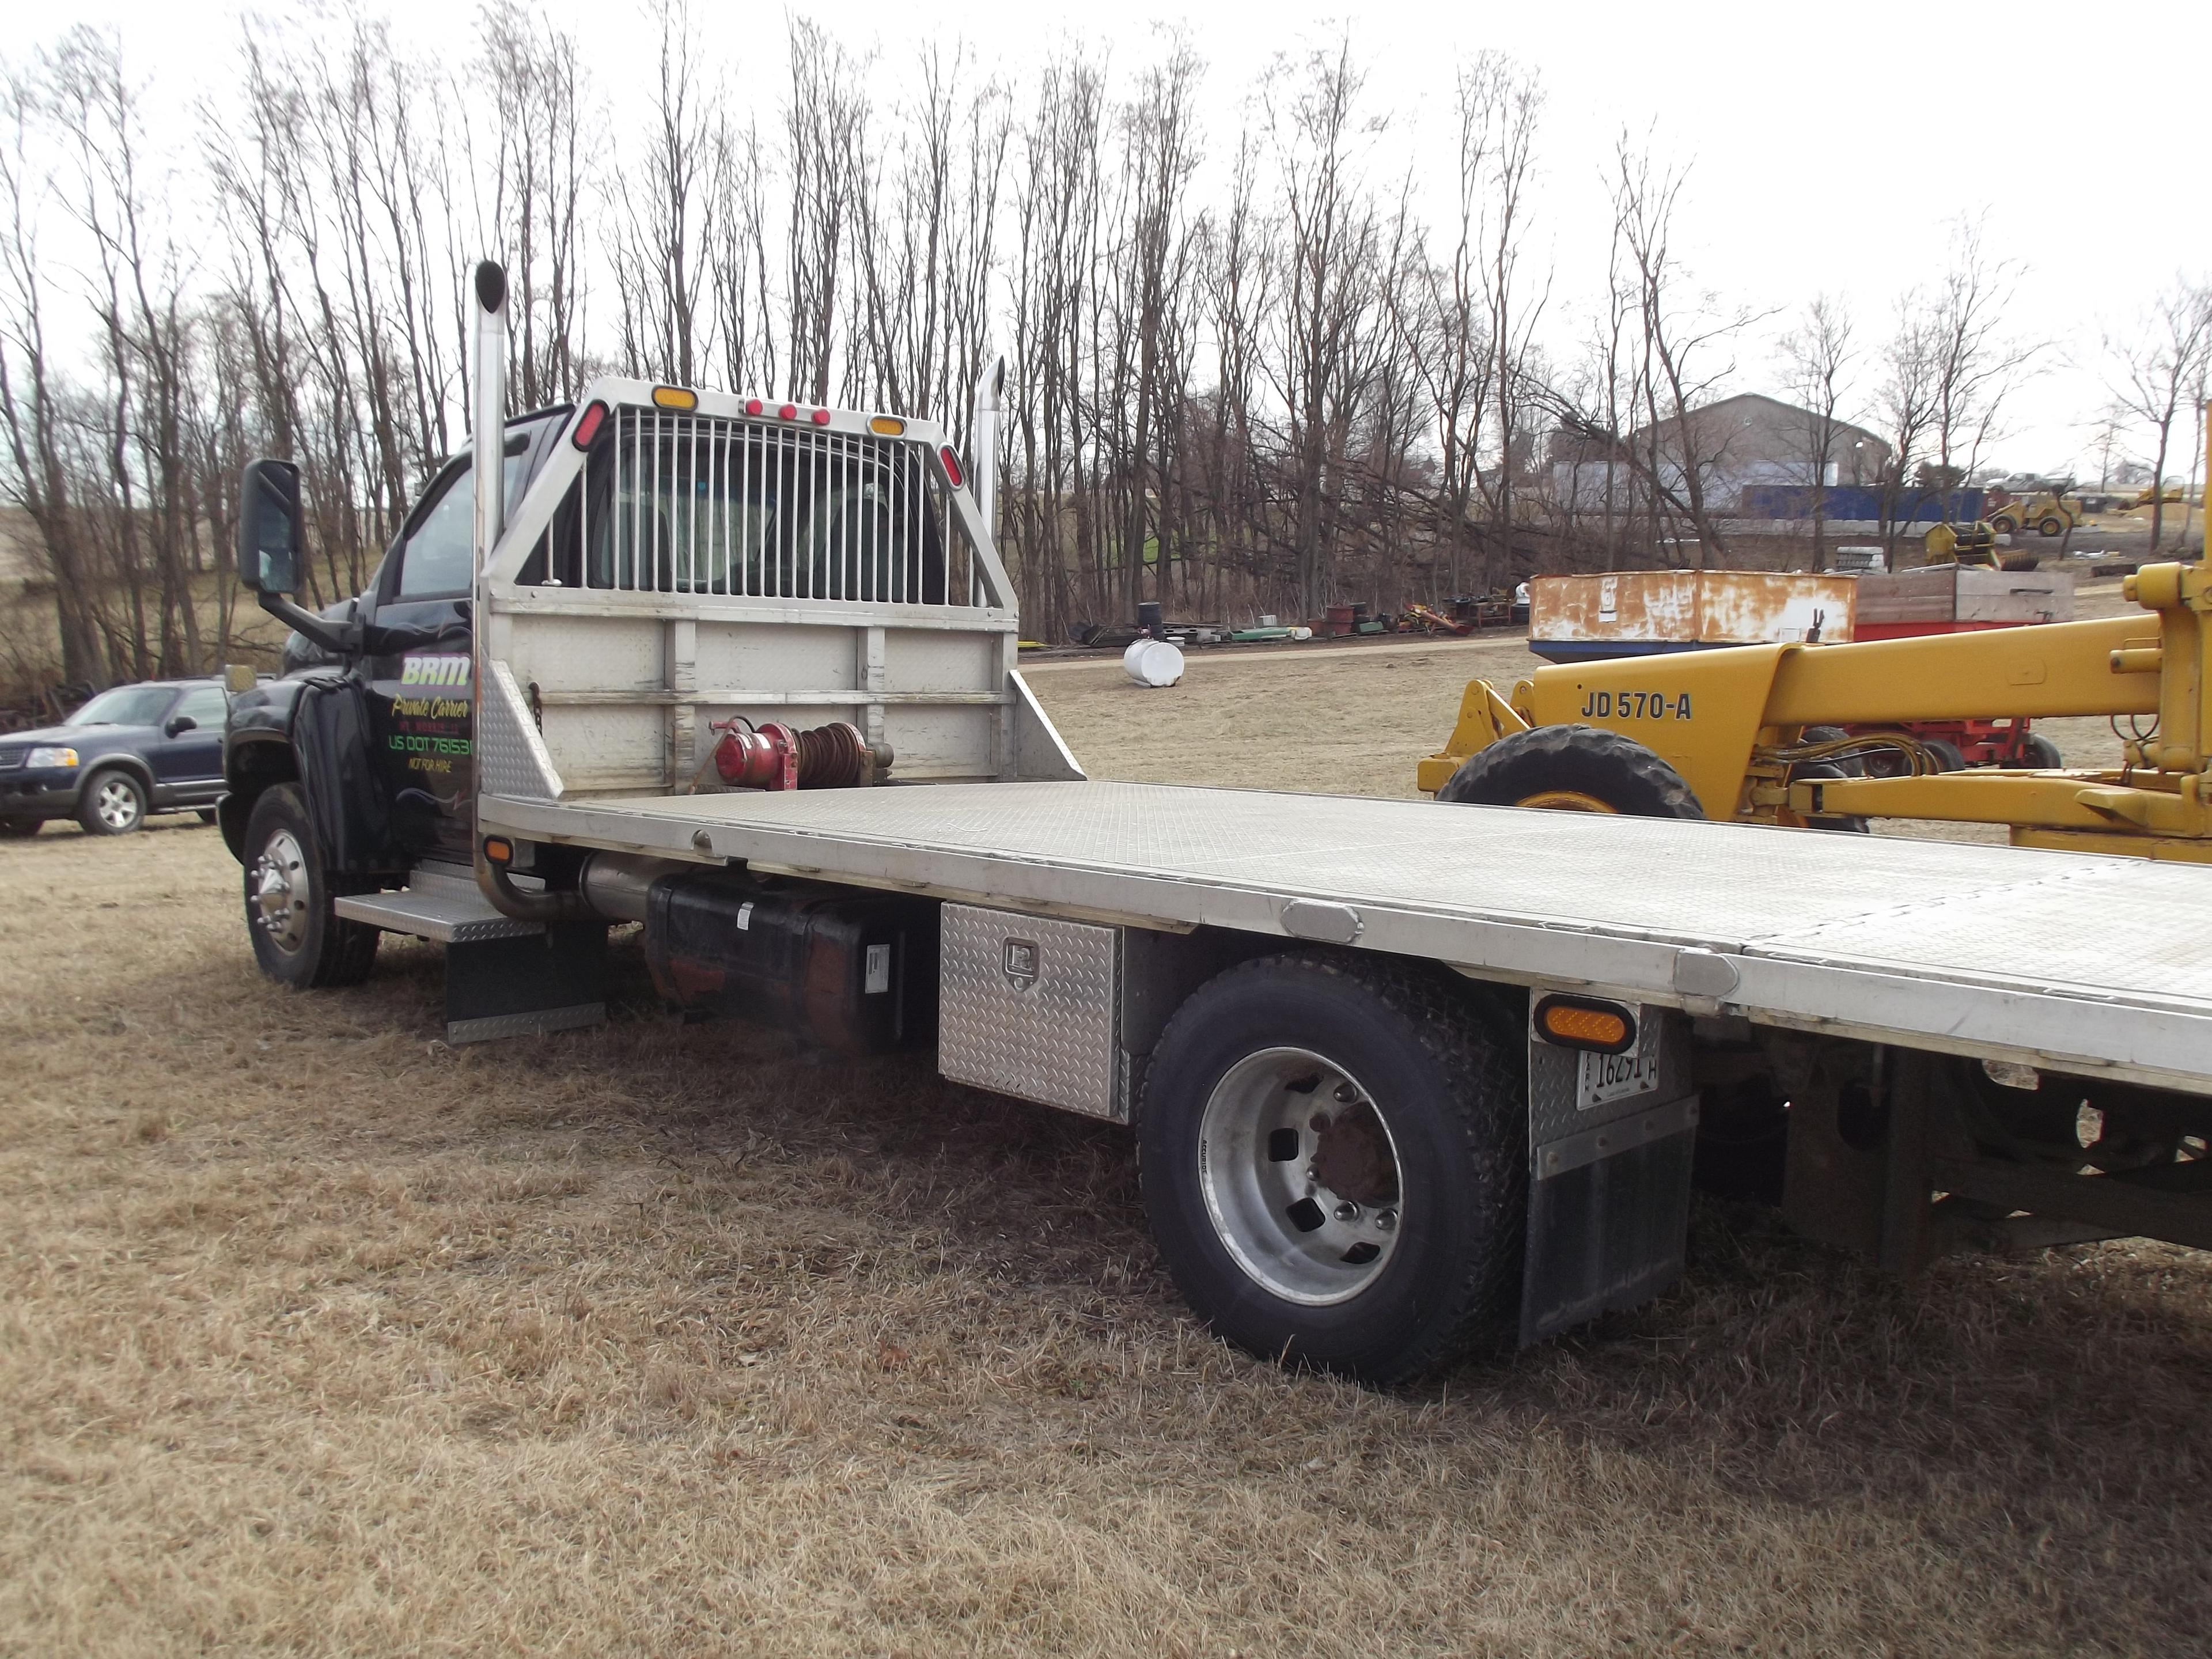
271, 529
181, 725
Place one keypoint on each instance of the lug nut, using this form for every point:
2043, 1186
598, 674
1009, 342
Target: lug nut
1386, 1221
1346, 1094
1347, 1211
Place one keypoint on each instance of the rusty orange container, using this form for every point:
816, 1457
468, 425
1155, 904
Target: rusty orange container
1634, 613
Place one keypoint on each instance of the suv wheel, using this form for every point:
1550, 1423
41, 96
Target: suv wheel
113, 803
298, 938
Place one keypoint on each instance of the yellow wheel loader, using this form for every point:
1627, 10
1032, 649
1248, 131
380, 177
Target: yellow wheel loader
2047, 513
1757, 733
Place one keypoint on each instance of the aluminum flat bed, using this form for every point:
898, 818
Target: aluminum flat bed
1404, 1078
2079, 962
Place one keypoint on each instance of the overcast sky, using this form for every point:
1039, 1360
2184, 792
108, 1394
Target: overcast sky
1830, 148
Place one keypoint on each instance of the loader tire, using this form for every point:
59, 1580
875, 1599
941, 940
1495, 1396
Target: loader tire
1572, 769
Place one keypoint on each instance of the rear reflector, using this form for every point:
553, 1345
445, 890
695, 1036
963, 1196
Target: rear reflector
1604, 1027
951, 462
675, 397
887, 426
588, 424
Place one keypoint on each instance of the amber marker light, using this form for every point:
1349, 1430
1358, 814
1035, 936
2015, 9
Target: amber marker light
886, 426
1578, 1023
675, 397
498, 850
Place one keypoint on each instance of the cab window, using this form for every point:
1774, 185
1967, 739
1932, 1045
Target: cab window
437, 559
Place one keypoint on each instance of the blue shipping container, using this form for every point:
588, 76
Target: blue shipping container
1859, 501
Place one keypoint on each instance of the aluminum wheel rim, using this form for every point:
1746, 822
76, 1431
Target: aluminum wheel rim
1278, 1216
281, 891
117, 803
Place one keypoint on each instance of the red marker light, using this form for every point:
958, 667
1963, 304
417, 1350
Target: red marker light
753, 405
588, 424
788, 412
821, 417
951, 462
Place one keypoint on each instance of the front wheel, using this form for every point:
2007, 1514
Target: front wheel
1334, 1160
298, 938
113, 803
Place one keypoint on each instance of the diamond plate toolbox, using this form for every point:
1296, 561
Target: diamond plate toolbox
1029, 1006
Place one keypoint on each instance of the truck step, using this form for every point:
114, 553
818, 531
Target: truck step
440, 902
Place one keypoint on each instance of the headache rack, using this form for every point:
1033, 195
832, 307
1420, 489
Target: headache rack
687, 565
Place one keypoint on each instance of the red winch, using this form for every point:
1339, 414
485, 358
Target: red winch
773, 755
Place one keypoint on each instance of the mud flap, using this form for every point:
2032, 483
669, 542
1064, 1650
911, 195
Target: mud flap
1610, 1145
551, 981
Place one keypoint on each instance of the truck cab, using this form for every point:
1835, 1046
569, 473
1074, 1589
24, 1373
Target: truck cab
377, 689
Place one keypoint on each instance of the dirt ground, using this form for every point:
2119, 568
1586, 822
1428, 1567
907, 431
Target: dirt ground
317, 1336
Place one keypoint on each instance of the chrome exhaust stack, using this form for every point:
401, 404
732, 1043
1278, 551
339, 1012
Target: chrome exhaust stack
488, 442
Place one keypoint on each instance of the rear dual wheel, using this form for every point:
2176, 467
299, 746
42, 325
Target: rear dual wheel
1334, 1159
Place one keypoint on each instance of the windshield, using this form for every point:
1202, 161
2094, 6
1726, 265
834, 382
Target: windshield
126, 705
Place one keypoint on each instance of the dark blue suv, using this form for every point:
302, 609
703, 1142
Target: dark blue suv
137, 749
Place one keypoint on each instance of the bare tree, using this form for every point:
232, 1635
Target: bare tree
38, 479
1509, 99
534, 224
1977, 366
664, 213
1907, 401
2153, 371
1663, 360
1328, 294
825, 125
1817, 357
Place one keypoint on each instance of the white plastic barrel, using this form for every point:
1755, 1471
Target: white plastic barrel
1152, 662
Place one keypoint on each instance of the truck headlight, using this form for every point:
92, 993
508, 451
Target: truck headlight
50, 757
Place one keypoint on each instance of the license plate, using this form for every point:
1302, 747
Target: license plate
1600, 1079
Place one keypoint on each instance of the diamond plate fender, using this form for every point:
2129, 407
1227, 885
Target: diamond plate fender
511, 758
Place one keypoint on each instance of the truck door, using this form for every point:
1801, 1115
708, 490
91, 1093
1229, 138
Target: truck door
421, 702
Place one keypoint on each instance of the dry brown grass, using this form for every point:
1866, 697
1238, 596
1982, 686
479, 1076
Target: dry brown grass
318, 1336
